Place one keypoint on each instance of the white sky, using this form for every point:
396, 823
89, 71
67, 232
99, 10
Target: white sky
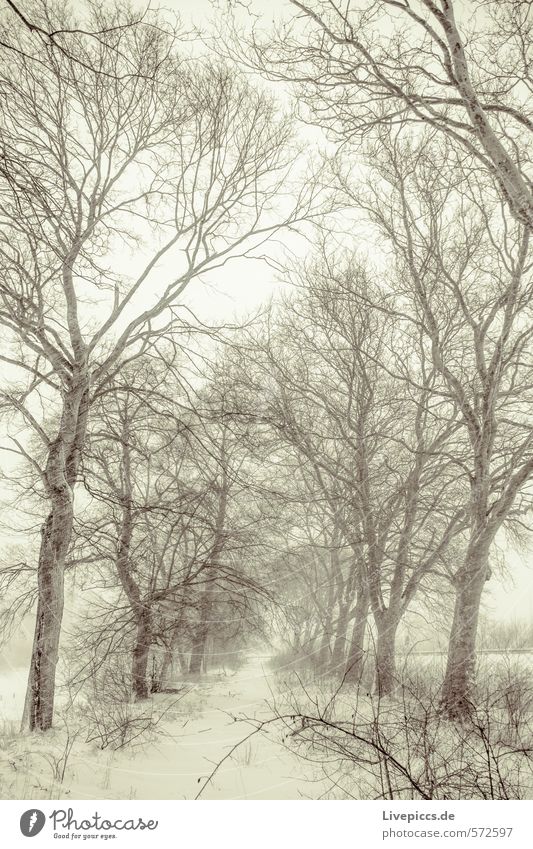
241, 288
510, 597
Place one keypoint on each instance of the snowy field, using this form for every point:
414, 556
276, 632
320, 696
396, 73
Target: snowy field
205, 725
201, 729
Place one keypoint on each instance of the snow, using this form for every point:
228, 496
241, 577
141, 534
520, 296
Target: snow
207, 724
203, 726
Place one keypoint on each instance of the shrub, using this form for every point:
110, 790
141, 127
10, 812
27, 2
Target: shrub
112, 719
404, 748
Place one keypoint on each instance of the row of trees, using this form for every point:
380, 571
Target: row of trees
359, 447
127, 172
404, 404
164, 537
433, 97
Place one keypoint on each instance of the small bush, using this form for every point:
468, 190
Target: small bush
404, 748
112, 720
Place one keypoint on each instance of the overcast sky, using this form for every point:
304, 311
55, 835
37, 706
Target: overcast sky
510, 597
242, 287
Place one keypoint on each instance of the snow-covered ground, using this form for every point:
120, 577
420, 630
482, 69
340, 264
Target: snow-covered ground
204, 722
204, 726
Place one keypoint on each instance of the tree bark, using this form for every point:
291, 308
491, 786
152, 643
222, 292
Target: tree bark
197, 650
182, 659
141, 606
386, 678
166, 667
199, 639
40, 694
457, 694
206, 602
356, 652
323, 657
341, 640
141, 652
60, 475
171, 650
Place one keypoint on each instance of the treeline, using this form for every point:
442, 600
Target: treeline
353, 451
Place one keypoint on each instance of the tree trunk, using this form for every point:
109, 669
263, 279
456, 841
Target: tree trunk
459, 679
197, 651
323, 655
141, 652
209, 655
166, 668
310, 645
199, 639
386, 679
182, 660
356, 653
60, 477
206, 602
172, 650
341, 640
40, 693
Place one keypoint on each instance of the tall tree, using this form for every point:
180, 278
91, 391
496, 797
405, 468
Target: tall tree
459, 67
166, 527
463, 271
335, 365
117, 189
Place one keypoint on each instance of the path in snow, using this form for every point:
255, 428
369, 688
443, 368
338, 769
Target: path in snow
262, 768
205, 725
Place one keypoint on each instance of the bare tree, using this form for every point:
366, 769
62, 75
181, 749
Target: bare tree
178, 167
461, 68
39, 23
166, 528
464, 270
138, 516
370, 442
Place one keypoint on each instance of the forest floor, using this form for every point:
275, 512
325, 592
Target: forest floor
200, 728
